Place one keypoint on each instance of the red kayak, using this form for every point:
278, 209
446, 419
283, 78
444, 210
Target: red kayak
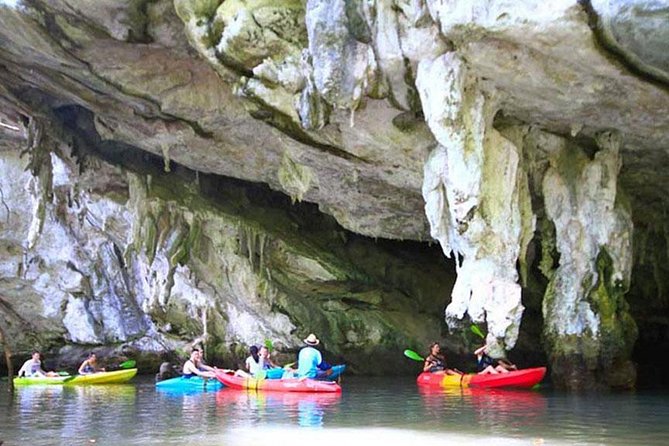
277, 385
518, 378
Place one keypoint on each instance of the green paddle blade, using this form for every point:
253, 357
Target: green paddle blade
63, 373
413, 355
129, 364
287, 366
477, 331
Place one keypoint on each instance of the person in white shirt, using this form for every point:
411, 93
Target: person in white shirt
32, 368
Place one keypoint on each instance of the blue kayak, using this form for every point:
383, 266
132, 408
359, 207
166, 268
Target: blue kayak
190, 383
337, 370
277, 373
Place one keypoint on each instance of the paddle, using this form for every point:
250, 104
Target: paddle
477, 331
413, 355
129, 364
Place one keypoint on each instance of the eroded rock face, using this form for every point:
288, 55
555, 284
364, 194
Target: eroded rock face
636, 30
99, 255
594, 242
402, 119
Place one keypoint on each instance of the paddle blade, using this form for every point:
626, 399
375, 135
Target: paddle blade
63, 373
268, 344
413, 355
129, 364
477, 331
287, 366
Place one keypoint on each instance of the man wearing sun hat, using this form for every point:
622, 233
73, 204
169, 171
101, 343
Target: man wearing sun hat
310, 361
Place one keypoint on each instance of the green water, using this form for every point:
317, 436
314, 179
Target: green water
369, 411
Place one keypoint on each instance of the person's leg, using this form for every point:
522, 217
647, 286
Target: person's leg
489, 370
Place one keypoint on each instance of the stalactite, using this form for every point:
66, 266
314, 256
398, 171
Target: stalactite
40, 166
166, 156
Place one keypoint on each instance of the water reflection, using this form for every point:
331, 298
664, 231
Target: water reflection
304, 409
36, 399
492, 408
60, 412
383, 411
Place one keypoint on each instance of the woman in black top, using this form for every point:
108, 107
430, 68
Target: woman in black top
436, 362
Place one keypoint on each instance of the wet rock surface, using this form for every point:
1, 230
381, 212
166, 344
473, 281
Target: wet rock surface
527, 138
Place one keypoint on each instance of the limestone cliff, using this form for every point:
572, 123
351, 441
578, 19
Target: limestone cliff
525, 137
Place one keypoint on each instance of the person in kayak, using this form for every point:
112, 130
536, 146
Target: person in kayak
265, 359
195, 367
90, 365
435, 362
310, 362
253, 363
32, 368
486, 365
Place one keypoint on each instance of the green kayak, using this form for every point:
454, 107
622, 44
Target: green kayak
41, 380
115, 377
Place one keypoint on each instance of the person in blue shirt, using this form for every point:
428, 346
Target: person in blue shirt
310, 361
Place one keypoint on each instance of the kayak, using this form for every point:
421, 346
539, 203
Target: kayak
518, 378
277, 385
192, 383
337, 370
118, 376
24, 381
115, 377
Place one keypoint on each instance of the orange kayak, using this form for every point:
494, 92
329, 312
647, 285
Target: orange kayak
518, 378
277, 385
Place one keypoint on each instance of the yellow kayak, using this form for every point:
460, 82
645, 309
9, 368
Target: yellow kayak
116, 377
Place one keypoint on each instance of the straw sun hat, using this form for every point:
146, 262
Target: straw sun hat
312, 340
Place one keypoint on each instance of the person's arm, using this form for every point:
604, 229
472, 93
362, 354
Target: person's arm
23, 371
204, 366
41, 371
324, 366
427, 365
190, 369
479, 351
81, 370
